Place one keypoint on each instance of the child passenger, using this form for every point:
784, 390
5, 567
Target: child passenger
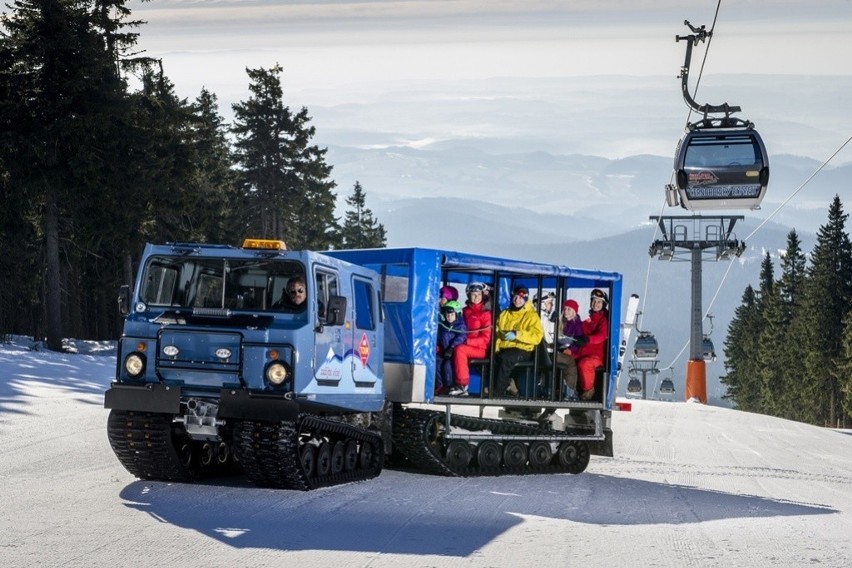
570, 341
451, 333
446, 294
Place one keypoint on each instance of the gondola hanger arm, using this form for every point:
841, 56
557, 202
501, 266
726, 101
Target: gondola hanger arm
700, 34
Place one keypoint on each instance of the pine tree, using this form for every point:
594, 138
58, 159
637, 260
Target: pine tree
770, 351
793, 272
63, 98
767, 280
771, 325
360, 229
741, 367
742, 350
166, 151
790, 357
843, 371
285, 180
826, 302
216, 199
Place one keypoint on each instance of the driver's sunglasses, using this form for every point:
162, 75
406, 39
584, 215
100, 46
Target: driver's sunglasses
296, 291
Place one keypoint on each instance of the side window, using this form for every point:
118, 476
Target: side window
364, 305
327, 285
159, 285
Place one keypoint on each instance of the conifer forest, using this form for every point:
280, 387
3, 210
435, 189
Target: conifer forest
99, 156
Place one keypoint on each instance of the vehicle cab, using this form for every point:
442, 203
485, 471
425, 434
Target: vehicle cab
256, 331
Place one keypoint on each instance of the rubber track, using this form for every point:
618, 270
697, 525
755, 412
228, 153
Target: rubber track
412, 428
142, 441
269, 452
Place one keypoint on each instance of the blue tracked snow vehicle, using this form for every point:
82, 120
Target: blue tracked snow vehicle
217, 371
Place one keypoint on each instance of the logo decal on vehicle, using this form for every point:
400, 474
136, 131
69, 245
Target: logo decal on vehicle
364, 350
702, 177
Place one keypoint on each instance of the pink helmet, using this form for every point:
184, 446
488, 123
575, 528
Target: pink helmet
448, 293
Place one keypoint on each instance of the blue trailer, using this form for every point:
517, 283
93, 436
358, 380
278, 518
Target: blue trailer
220, 370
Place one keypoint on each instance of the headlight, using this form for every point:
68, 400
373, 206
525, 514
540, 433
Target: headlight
277, 372
134, 364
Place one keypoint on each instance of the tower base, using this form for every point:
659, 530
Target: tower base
696, 381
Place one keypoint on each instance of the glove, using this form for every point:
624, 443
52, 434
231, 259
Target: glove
448, 353
510, 336
580, 341
565, 342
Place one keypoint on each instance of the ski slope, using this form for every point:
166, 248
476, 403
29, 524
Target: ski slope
690, 485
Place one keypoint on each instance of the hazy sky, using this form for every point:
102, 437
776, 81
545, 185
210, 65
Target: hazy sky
333, 43
343, 52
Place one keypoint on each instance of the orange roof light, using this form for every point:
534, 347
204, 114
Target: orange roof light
265, 244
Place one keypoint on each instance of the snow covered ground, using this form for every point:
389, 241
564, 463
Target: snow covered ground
691, 486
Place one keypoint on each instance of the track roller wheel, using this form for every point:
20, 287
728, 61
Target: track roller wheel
488, 454
365, 456
337, 458
515, 454
350, 455
223, 452
184, 453
308, 456
206, 454
324, 459
540, 454
573, 456
459, 454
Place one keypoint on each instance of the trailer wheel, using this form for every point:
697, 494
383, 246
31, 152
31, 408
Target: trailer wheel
489, 454
574, 456
515, 454
540, 454
459, 454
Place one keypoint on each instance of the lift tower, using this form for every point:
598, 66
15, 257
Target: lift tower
701, 238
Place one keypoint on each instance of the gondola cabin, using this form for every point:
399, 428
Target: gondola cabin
721, 168
634, 386
646, 346
667, 386
709, 349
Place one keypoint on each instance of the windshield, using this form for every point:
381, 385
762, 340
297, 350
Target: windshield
224, 283
733, 151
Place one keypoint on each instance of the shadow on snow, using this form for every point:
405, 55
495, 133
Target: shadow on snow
404, 513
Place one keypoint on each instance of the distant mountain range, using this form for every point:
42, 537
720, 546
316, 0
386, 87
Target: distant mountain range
471, 196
